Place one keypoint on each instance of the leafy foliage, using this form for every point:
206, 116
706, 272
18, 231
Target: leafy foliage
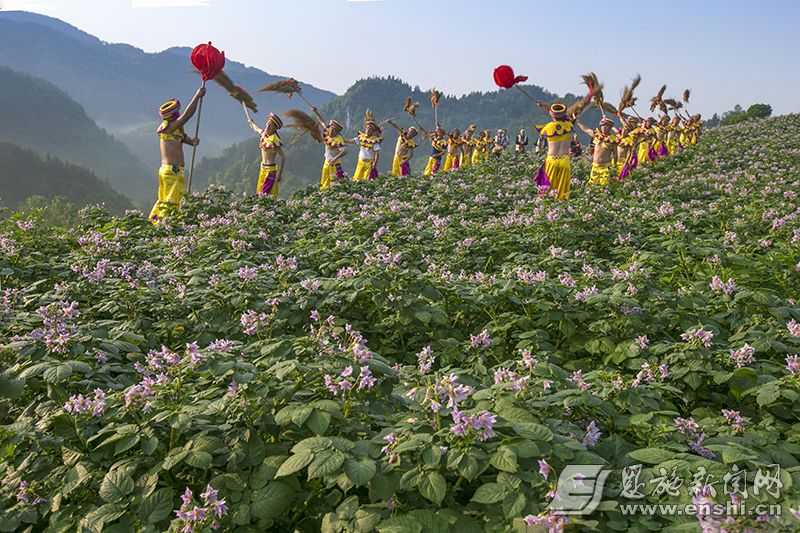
407, 355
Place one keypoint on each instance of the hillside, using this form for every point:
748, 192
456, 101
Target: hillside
37, 115
24, 173
237, 167
121, 86
416, 355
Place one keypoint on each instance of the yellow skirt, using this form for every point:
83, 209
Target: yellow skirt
431, 167
477, 158
643, 154
601, 173
449, 161
268, 180
466, 160
328, 175
170, 191
363, 169
693, 139
672, 146
557, 169
396, 163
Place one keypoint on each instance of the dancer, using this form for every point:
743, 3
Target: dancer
626, 149
467, 146
661, 131
438, 149
554, 174
172, 138
335, 150
369, 142
480, 148
453, 158
644, 136
604, 159
673, 134
404, 150
271, 148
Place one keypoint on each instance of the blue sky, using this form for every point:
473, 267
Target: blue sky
728, 52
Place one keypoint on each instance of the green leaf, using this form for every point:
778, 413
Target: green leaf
431, 521
76, 476
768, 394
652, 456
104, 514
489, 493
400, 524
360, 471
319, 421
325, 463
115, 486
174, 457
156, 507
433, 487
126, 444
295, 463
199, 459
504, 459
57, 373
271, 501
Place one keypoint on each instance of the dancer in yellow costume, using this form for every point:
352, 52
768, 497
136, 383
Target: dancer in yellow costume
369, 142
453, 158
403, 150
673, 134
335, 150
662, 131
696, 129
479, 149
488, 142
172, 138
554, 174
604, 160
438, 149
645, 134
467, 147
626, 149
270, 142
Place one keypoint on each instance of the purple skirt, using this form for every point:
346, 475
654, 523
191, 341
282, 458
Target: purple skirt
437, 163
373, 173
339, 171
405, 169
268, 183
456, 163
663, 151
542, 181
651, 154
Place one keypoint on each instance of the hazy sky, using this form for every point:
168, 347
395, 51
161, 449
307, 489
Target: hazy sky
728, 52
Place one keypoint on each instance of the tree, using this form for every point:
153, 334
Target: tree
713, 122
759, 111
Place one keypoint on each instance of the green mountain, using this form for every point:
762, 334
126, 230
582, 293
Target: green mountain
37, 115
24, 174
121, 86
237, 168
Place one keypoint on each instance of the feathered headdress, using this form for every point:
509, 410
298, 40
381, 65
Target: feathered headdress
686, 94
577, 107
369, 118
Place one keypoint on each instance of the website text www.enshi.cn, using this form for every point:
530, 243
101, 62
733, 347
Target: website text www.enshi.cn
730, 509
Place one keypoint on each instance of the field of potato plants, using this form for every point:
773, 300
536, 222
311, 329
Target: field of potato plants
418, 355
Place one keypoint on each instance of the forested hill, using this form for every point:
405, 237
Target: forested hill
38, 115
24, 174
121, 86
237, 168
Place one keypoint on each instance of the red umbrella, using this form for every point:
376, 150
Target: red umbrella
209, 62
505, 78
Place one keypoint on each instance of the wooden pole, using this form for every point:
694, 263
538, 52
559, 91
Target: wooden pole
196, 135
